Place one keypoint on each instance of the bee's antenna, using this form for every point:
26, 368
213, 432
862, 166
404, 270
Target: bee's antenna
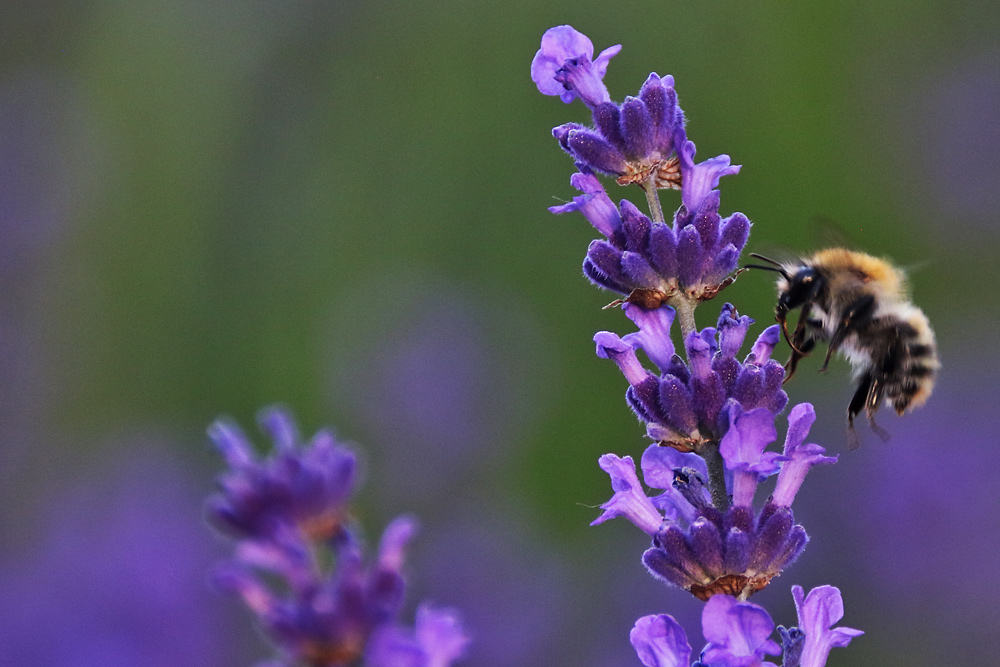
775, 266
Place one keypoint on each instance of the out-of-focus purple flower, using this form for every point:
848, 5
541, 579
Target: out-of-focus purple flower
326, 621
324, 610
737, 633
690, 403
564, 66
305, 486
437, 640
817, 613
660, 641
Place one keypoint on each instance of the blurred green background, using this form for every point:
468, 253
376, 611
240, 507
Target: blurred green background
208, 207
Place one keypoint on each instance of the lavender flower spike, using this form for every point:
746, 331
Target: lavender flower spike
564, 66
817, 613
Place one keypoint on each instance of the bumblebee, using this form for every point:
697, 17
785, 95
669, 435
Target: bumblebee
860, 306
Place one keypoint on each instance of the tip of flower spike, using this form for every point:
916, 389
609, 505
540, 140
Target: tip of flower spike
564, 66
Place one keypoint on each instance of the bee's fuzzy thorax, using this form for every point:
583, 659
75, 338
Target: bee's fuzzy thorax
890, 281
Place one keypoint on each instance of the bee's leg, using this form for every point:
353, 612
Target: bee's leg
797, 354
882, 434
855, 314
872, 402
860, 399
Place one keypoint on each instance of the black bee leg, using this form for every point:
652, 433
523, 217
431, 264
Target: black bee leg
829, 353
872, 402
867, 397
797, 354
855, 408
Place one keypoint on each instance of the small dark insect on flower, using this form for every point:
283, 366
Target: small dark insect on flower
860, 305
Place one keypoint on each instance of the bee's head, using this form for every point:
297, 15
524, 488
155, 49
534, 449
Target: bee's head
800, 288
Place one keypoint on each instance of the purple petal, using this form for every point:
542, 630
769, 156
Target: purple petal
699, 353
653, 336
817, 613
736, 630
608, 259
610, 346
637, 128
660, 641
689, 256
676, 404
732, 330
636, 227
800, 457
594, 204
439, 632
559, 44
661, 102
638, 271
765, 344
742, 449
663, 250
629, 499
395, 538
698, 180
604, 57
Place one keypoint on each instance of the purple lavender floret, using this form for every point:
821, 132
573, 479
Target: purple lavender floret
695, 254
817, 612
299, 566
696, 544
687, 403
564, 66
738, 634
